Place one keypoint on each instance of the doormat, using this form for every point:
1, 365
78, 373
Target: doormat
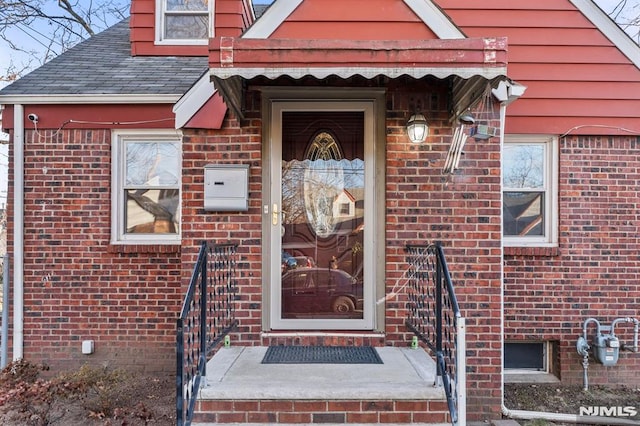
321, 355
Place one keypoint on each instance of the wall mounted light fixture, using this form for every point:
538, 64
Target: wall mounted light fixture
417, 128
467, 118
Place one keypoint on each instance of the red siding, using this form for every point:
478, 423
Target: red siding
231, 18
571, 69
362, 20
149, 116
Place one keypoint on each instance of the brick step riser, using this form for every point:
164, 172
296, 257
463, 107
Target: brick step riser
332, 412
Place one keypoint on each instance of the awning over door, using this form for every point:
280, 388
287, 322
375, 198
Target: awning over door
469, 62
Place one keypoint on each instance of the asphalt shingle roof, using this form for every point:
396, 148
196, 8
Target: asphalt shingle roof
103, 65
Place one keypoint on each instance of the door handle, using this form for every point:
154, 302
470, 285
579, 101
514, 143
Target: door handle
274, 215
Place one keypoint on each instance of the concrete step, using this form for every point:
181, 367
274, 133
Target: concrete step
240, 389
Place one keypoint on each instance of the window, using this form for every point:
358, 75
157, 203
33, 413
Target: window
526, 356
535, 362
183, 21
529, 173
146, 187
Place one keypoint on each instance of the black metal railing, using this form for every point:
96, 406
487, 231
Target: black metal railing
434, 317
207, 316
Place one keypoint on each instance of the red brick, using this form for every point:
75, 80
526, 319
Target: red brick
329, 417
261, 417
303, 406
276, 405
395, 417
246, 405
411, 406
430, 417
215, 405
377, 406
294, 418
231, 418
345, 406
369, 417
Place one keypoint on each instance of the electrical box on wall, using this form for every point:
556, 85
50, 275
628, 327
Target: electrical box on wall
226, 187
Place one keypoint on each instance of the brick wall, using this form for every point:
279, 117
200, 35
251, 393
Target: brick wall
422, 206
595, 272
76, 286
230, 145
463, 211
79, 287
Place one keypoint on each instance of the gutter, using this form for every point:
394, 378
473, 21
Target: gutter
18, 231
84, 99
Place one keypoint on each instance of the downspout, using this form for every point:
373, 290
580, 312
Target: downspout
525, 414
18, 231
4, 339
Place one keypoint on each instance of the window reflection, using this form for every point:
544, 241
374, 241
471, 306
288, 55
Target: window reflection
523, 166
524, 189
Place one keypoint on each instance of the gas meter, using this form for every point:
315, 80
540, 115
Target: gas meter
606, 348
606, 345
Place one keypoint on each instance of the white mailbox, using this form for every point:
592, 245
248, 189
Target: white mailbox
226, 187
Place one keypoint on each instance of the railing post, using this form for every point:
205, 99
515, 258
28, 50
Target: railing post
203, 313
439, 281
180, 372
461, 370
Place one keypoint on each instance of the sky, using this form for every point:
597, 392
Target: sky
35, 37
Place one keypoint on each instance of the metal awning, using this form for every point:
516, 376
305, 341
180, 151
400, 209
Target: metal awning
469, 63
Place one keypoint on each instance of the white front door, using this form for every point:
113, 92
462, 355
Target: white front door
321, 219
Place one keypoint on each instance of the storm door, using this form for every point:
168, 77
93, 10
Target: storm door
321, 275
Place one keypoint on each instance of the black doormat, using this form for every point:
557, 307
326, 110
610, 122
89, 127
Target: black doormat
321, 355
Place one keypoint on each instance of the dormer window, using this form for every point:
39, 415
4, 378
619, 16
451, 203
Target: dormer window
184, 21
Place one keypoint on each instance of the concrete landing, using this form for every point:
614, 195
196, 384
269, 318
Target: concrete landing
237, 373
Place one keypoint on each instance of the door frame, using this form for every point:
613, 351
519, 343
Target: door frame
372, 103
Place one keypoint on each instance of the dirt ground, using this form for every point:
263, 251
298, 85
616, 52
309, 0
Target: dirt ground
99, 398
157, 395
88, 397
567, 399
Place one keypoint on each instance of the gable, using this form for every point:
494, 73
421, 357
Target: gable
361, 20
581, 76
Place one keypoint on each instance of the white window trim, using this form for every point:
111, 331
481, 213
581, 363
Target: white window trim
160, 40
551, 212
118, 234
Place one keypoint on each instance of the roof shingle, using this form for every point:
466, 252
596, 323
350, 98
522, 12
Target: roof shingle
103, 65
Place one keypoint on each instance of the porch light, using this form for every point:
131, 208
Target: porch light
417, 128
467, 118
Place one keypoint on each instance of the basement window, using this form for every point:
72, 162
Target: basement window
525, 356
529, 361
146, 183
184, 21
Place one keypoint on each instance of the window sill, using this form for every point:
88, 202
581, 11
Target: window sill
532, 251
144, 248
520, 376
